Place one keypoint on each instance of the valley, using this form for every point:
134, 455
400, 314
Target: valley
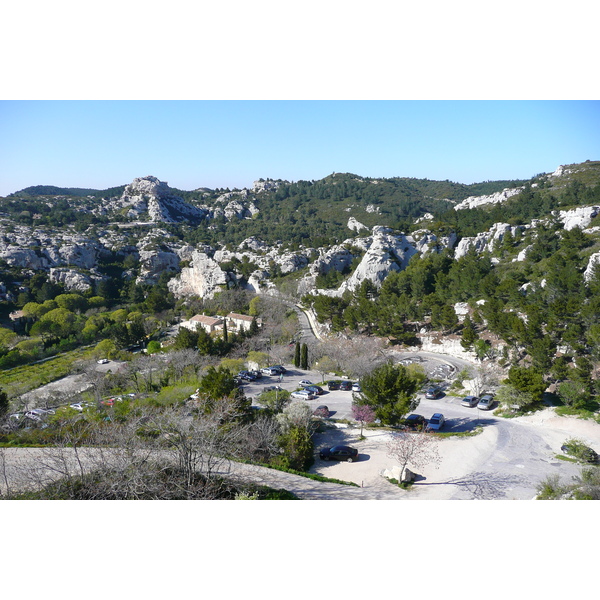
482, 288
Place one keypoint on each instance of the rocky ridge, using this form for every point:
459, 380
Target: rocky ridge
72, 258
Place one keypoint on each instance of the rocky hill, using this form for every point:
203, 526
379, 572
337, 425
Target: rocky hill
345, 225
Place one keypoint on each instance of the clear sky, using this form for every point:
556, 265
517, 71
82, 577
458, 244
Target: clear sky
211, 143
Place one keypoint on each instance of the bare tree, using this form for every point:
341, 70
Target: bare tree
484, 377
415, 449
182, 361
356, 356
94, 379
258, 440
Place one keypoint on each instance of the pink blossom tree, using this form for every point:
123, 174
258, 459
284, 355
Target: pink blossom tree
363, 414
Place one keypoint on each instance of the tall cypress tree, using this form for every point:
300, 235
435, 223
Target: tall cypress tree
297, 355
3, 403
304, 357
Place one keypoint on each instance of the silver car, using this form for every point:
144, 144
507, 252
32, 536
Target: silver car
485, 402
470, 401
303, 395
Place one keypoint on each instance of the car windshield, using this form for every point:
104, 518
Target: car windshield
434, 421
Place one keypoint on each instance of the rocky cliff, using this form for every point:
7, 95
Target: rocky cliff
148, 195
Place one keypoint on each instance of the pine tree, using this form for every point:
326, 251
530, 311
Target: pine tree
469, 335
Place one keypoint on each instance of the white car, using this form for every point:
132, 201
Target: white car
356, 387
103, 361
302, 395
37, 414
269, 371
305, 382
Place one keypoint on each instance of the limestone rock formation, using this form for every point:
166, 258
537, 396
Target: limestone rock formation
386, 253
72, 280
578, 217
355, 225
150, 195
203, 278
153, 263
497, 197
486, 240
593, 264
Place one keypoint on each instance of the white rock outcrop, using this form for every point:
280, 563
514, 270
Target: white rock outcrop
202, 278
578, 217
495, 198
593, 263
72, 280
486, 240
153, 263
149, 194
355, 225
337, 258
386, 253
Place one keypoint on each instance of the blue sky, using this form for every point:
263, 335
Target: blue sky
192, 144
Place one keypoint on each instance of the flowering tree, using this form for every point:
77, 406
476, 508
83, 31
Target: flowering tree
416, 449
363, 414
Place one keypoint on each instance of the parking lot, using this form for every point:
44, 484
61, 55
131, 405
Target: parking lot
505, 460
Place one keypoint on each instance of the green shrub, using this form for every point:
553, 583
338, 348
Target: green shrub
579, 450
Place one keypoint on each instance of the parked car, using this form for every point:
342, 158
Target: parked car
485, 402
244, 375
321, 411
302, 395
436, 422
37, 414
415, 422
270, 371
346, 386
333, 385
433, 392
257, 374
339, 453
103, 361
470, 401
356, 387
305, 382
280, 369
315, 389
